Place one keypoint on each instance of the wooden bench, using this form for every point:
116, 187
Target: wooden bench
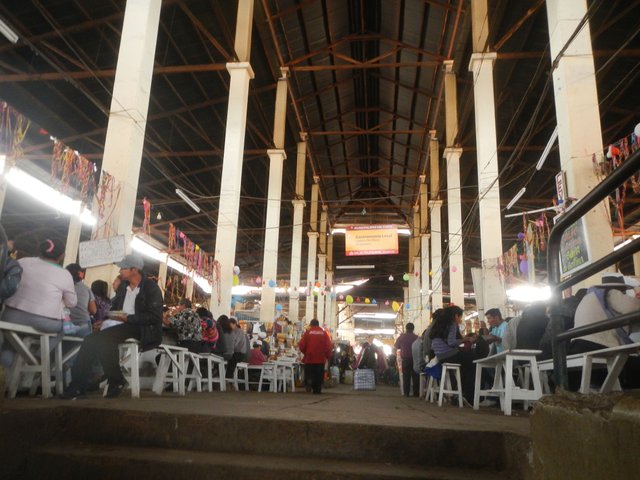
612, 358
507, 390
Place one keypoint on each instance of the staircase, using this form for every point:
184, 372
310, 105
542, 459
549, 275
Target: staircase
92, 443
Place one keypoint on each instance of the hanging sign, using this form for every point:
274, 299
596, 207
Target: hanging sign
574, 249
561, 187
101, 252
371, 240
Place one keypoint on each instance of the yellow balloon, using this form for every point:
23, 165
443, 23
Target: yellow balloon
349, 299
366, 300
396, 306
236, 280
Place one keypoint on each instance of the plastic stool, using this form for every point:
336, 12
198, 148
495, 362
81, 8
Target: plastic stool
445, 386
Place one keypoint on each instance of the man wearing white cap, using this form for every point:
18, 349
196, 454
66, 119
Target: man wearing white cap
138, 305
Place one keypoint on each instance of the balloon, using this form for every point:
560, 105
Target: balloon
637, 130
417, 274
236, 280
431, 274
341, 297
367, 301
258, 281
454, 268
408, 306
315, 293
278, 307
349, 299
520, 236
357, 299
386, 302
318, 284
405, 277
395, 305
374, 301
522, 256
236, 270
272, 283
391, 278
524, 267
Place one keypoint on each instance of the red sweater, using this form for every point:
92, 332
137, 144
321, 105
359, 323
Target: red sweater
316, 346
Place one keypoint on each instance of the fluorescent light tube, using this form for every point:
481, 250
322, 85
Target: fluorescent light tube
187, 200
547, 148
354, 267
8, 32
517, 197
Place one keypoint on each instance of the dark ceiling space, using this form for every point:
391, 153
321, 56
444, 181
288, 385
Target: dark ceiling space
366, 85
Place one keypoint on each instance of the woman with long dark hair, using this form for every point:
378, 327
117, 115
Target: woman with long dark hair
445, 342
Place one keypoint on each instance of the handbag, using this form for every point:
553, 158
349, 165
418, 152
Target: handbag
433, 368
364, 379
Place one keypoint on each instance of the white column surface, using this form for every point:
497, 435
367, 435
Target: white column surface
127, 119
271, 237
311, 275
454, 214
73, 240
426, 279
162, 276
296, 241
436, 255
578, 115
322, 264
227, 231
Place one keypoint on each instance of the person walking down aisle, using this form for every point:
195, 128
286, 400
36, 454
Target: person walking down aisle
409, 377
138, 302
317, 347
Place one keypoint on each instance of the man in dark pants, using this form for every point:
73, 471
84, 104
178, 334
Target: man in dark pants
316, 346
403, 343
141, 301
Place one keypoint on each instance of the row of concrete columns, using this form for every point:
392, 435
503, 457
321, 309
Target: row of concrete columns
579, 136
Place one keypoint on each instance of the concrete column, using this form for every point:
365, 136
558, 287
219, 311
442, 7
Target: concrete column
416, 298
487, 154
636, 264
405, 300
162, 276
128, 119
311, 253
296, 242
454, 214
274, 195
328, 313
189, 293
329, 319
426, 280
578, 114
436, 255
425, 254
73, 240
454, 204
227, 232
322, 262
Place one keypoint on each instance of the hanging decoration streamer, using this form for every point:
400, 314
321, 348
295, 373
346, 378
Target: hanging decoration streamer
146, 223
70, 170
13, 129
107, 197
606, 162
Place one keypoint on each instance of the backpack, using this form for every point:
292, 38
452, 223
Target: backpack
601, 294
10, 279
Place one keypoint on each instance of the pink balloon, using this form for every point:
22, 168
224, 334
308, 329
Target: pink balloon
454, 269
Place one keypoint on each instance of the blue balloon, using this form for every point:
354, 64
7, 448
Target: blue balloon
278, 307
272, 283
408, 306
374, 301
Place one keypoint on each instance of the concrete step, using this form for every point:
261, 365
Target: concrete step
82, 461
297, 439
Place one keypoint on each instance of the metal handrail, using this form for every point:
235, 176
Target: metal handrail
594, 197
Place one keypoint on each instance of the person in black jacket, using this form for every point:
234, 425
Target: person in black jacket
141, 301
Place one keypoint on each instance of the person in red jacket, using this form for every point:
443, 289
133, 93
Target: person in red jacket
317, 348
